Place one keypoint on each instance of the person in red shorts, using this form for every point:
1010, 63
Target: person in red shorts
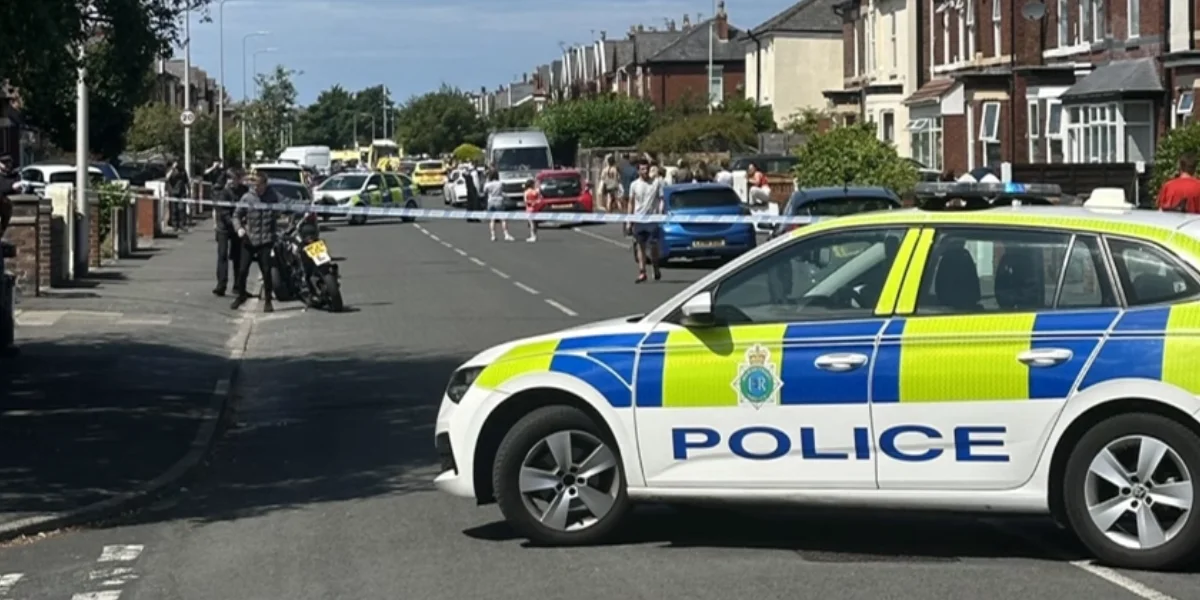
1182, 193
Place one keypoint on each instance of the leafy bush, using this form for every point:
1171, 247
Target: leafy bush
468, 153
605, 121
1175, 144
853, 155
112, 194
718, 132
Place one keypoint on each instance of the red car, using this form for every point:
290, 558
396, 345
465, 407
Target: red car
562, 191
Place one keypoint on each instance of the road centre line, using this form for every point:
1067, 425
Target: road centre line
433, 237
478, 262
563, 309
448, 244
602, 238
499, 273
526, 288
460, 251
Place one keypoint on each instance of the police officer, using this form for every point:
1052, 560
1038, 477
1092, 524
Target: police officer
229, 247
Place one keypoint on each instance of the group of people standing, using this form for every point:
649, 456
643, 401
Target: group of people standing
244, 234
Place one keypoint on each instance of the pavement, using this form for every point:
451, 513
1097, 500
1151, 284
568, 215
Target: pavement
320, 486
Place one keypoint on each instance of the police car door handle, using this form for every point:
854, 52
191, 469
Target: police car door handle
1045, 357
840, 362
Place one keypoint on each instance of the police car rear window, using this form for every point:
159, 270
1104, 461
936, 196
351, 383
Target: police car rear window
429, 166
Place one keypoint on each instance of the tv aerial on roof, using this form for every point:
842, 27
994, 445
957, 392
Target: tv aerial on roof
1034, 10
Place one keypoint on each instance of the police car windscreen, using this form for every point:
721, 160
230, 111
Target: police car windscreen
706, 198
840, 207
344, 182
521, 159
284, 174
561, 187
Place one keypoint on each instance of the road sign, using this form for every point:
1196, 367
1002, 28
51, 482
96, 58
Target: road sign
187, 117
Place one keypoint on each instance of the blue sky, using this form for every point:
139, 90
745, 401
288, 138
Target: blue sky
415, 45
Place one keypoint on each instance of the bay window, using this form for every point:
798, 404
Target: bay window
1111, 132
870, 26
1183, 108
889, 126
926, 137
1045, 131
1037, 150
989, 134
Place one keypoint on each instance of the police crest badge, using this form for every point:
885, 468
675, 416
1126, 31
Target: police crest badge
757, 382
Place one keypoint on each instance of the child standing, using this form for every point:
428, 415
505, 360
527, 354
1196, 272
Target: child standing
531, 196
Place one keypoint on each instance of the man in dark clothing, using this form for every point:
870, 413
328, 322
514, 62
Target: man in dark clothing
474, 200
229, 247
177, 188
256, 229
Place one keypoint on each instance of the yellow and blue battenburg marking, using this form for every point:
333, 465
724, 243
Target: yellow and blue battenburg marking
604, 362
1158, 343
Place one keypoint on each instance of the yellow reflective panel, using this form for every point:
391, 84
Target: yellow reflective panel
701, 365
526, 358
891, 287
907, 301
1181, 347
965, 358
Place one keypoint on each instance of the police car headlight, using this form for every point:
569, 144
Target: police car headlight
461, 381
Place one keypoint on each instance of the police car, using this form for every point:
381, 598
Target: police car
958, 356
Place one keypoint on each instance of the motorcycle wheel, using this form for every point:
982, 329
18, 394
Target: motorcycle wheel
331, 289
280, 285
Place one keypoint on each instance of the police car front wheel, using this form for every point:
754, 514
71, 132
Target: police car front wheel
559, 479
1130, 488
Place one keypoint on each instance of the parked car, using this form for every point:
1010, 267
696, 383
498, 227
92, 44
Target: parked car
454, 192
35, 178
835, 202
704, 240
562, 191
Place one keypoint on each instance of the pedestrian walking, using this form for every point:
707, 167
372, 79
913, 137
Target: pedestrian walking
610, 178
474, 200
646, 199
494, 191
256, 228
531, 196
229, 246
177, 191
1182, 192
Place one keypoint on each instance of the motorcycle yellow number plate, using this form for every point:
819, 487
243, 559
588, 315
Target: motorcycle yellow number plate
315, 250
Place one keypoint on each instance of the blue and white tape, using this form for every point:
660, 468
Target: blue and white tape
515, 215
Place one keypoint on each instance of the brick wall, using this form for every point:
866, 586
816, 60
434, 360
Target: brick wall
29, 231
672, 83
954, 143
93, 234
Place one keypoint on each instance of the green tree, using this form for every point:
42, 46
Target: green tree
513, 118
270, 113
604, 121
437, 122
369, 103
328, 121
468, 153
762, 117
853, 155
1177, 142
716, 132
41, 55
156, 127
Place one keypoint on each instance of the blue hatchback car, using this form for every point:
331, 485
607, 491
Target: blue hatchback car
704, 240
826, 202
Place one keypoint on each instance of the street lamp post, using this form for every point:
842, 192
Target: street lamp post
221, 92
254, 64
711, 24
187, 92
245, 93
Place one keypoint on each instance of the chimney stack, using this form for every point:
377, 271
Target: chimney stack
687, 22
641, 28
603, 35
632, 31
524, 77
722, 22
671, 25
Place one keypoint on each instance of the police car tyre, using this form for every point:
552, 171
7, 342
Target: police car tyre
1129, 492
559, 479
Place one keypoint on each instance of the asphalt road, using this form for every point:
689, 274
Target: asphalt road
321, 486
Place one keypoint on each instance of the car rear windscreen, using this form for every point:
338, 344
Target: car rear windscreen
706, 198
284, 174
840, 207
561, 187
429, 166
292, 193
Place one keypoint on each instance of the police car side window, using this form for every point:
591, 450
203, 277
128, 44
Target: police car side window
971, 271
1084, 280
1149, 275
375, 180
838, 275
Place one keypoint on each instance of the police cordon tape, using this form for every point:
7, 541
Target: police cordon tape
508, 215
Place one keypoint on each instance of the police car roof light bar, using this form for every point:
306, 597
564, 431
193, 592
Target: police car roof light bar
979, 196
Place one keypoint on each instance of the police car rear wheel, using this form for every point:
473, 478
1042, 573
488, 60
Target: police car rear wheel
558, 479
1130, 489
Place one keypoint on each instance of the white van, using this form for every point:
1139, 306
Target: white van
518, 155
317, 157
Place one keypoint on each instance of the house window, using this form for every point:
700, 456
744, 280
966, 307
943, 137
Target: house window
996, 28
716, 85
1099, 22
893, 39
932, 50
1064, 24
1138, 119
1054, 130
1037, 151
1083, 29
926, 138
970, 41
961, 46
889, 127
870, 25
989, 134
1183, 108
1133, 10
1095, 133
945, 36
858, 59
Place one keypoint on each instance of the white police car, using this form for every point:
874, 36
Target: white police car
1012, 360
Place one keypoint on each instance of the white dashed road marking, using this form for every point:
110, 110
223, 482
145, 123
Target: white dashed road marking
526, 288
433, 237
1133, 587
596, 236
106, 595
500, 274
478, 262
114, 576
460, 251
7, 581
120, 553
447, 244
39, 318
565, 310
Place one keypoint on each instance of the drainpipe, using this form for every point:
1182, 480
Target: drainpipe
757, 67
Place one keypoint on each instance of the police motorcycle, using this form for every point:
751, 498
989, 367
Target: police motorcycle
301, 267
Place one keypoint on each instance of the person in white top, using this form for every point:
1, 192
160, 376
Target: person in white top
724, 175
645, 199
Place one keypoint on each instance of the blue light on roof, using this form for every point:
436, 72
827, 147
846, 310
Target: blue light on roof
1014, 188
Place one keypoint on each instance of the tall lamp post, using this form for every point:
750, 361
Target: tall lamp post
254, 64
221, 95
245, 89
187, 92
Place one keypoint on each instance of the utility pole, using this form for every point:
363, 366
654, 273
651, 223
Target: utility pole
187, 91
385, 110
711, 24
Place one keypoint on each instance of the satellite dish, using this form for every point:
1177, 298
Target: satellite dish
1034, 10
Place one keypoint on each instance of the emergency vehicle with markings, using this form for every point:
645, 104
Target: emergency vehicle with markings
970, 355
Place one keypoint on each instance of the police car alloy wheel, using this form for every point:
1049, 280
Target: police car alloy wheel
1130, 491
558, 478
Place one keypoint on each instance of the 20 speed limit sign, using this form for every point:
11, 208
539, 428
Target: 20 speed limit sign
187, 117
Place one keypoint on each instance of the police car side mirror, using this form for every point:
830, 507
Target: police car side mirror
698, 311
